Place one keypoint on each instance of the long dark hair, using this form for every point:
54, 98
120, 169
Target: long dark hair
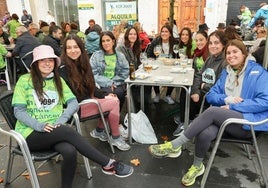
39, 82
189, 45
109, 34
221, 36
79, 71
137, 44
171, 38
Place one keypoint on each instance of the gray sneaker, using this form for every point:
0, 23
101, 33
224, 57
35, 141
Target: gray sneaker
118, 169
179, 129
102, 136
120, 143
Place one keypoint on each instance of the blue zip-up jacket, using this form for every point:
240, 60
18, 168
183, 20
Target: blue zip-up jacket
262, 12
98, 65
254, 92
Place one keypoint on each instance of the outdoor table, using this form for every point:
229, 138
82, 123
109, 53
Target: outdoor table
161, 75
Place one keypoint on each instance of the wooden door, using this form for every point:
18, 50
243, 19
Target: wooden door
187, 13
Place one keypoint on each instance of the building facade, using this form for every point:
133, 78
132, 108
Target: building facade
149, 12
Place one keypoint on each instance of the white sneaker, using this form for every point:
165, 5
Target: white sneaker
169, 100
156, 98
120, 143
123, 131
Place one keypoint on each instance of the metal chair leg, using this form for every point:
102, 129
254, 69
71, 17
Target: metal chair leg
211, 158
258, 156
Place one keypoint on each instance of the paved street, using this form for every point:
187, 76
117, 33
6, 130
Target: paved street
231, 167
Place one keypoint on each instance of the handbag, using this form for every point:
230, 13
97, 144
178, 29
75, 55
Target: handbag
142, 130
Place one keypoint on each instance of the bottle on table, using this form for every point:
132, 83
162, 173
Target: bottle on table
131, 71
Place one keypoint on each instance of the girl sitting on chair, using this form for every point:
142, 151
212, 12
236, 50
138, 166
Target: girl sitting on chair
239, 93
77, 73
38, 106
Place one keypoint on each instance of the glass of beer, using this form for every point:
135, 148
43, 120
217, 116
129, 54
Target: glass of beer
157, 50
148, 67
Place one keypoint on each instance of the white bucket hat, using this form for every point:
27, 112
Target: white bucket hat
43, 52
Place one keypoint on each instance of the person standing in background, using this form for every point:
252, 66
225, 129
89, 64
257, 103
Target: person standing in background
6, 18
12, 25
91, 23
144, 38
26, 18
50, 18
54, 39
261, 13
4, 37
245, 18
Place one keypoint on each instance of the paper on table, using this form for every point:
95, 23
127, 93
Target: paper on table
165, 79
141, 75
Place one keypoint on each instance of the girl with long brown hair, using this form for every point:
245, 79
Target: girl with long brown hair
77, 73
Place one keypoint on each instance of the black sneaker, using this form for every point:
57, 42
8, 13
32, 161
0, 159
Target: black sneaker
118, 169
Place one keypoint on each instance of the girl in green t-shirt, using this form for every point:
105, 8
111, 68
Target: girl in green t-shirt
38, 106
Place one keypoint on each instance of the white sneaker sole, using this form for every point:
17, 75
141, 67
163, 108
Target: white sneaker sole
197, 175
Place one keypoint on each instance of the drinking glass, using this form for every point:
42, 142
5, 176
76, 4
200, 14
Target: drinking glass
148, 66
176, 49
182, 53
143, 58
157, 50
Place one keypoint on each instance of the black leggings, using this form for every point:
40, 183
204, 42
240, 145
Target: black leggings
169, 90
206, 126
194, 106
67, 142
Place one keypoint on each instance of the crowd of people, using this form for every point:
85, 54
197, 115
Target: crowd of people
68, 65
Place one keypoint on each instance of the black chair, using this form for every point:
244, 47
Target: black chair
21, 148
252, 141
102, 115
26, 60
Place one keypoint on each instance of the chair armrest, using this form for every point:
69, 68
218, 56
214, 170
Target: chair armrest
20, 140
88, 101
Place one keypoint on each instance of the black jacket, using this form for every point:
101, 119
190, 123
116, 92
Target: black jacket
24, 44
209, 74
54, 43
98, 93
259, 53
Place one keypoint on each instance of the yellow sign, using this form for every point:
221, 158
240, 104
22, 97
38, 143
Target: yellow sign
121, 16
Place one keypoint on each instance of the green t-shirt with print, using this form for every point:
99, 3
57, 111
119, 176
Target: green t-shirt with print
46, 111
3, 52
110, 65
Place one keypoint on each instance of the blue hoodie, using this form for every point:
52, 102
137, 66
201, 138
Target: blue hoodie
254, 92
262, 12
92, 42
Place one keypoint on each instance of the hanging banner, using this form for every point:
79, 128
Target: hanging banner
117, 11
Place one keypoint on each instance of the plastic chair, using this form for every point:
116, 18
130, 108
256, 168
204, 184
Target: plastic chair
252, 141
5, 72
77, 119
22, 148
